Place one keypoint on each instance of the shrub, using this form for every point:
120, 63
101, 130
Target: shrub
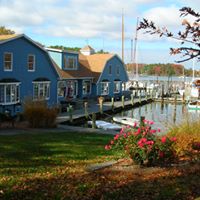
187, 135
144, 145
39, 115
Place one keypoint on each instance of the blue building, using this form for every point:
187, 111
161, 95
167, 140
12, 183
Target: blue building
26, 70
88, 75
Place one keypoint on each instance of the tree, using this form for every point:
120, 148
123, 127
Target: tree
190, 35
76, 49
5, 31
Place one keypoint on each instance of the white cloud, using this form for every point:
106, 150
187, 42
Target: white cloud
69, 18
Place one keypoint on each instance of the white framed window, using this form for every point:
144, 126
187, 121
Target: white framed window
41, 90
105, 88
86, 87
117, 85
8, 61
110, 69
61, 88
70, 62
31, 62
9, 93
71, 89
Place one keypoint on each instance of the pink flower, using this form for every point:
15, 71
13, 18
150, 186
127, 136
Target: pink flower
135, 124
163, 139
158, 129
173, 139
144, 133
122, 131
111, 142
152, 131
116, 137
151, 122
107, 147
125, 135
150, 142
145, 121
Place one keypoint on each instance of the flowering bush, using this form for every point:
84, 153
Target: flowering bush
143, 145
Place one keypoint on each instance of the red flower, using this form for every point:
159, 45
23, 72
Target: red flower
152, 131
173, 139
107, 147
163, 139
116, 137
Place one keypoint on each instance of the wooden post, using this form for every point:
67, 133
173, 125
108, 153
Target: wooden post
94, 120
162, 95
86, 109
140, 98
70, 111
183, 98
142, 118
132, 99
112, 103
123, 101
101, 104
175, 99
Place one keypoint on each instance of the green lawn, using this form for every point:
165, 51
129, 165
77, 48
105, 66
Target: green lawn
31, 158
42, 166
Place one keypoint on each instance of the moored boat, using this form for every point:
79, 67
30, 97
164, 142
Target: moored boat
194, 105
106, 125
126, 120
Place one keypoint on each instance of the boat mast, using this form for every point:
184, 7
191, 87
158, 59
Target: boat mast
135, 49
123, 35
193, 72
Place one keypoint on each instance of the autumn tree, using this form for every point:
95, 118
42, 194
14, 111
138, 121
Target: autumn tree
5, 31
189, 37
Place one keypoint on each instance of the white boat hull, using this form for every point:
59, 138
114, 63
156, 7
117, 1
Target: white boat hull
126, 120
106, 125
194, 105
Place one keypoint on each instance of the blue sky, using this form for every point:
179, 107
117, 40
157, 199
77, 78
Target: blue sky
97, 23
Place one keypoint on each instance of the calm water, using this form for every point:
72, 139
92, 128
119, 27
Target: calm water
164, 115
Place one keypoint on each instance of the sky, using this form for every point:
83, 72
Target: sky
77, 23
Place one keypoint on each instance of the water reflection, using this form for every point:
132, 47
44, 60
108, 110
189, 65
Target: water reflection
164, 115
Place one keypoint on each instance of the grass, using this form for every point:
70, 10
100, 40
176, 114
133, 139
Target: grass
52, 166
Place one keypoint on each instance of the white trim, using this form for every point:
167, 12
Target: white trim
8, 70
60, 50
104, 94
16, 88
115, 82
66, 62
31, 70
90, 87
44, 97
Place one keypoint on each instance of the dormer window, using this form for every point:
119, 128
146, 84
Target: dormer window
31, 62
8, 61
70, 62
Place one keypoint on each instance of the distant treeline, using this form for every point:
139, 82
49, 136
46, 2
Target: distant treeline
75, 49
159, 69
